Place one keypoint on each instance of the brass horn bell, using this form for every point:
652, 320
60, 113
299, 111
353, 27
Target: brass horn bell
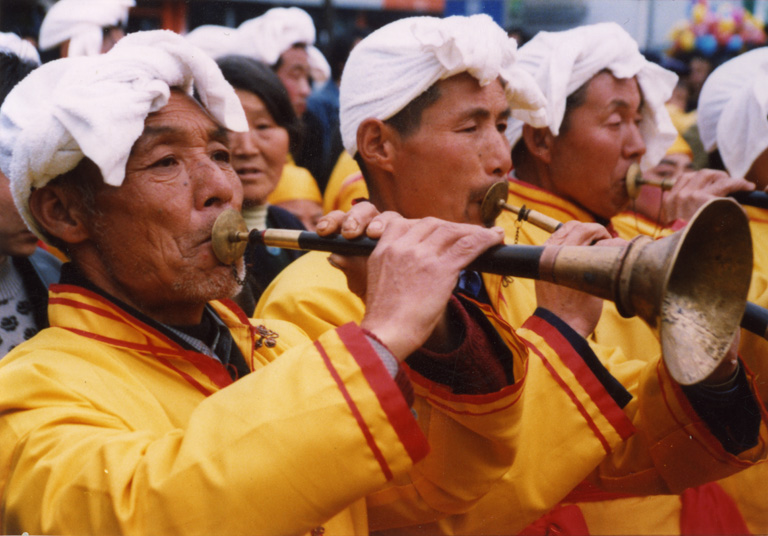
691, 286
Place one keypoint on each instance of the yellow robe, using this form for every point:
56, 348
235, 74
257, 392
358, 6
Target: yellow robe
629, 224
631, 515
569, 428
107, 426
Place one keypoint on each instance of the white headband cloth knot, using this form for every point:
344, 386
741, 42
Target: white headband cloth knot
395, 64
95, 107
562, 62
265, 38
733, 111
12, 44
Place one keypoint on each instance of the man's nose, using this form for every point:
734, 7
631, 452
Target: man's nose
215, 184
634, 145
244, 143
498, 160
304, 87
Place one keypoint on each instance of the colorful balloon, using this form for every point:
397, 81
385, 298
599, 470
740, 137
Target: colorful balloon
699, 12
726, 26
706, 44
735, 43
686, 40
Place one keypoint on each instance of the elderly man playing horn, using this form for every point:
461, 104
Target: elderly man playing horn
734, 130
605, 113
432, 144
153, 405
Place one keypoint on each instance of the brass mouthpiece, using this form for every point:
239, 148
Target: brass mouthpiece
495, 201
635, 180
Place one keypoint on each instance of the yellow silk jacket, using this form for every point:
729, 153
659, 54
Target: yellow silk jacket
568, 426
515, 299
107, 426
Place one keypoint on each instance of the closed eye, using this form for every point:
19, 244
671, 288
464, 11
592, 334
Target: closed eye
221, 156
166, 161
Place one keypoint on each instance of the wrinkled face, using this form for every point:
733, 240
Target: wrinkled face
294, 74
589, 161
15, 239
154, 231
258, 155
445, 168
671, 167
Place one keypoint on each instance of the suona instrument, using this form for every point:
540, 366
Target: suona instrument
635, 179
755, 317
495, 201
690, 286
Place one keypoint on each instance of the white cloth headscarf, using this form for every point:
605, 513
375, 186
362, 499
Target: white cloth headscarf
397, 63
265, 38
81, 22
95, 107
561, 62
216, 41
10, 43
733, 110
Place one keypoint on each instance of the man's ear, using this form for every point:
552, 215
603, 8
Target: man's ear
375, 143
539, 142
58, 212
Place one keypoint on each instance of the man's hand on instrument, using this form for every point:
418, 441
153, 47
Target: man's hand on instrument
694, 188
411, 274
363, 219
579, 310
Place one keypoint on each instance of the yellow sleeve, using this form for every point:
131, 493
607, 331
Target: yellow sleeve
89, 444
570, 429
559, 419
311, 293
683, 451
459, 471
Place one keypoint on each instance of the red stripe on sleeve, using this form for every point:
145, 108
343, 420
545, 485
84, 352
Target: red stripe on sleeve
355, 413
389, 394
573, 360
592, 425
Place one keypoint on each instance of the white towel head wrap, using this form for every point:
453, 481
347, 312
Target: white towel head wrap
216, 41
265, 38
400, 61
561, 62
82, 21
733, 110
95, 107
10, 43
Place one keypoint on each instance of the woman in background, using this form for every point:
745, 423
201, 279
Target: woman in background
258, 157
